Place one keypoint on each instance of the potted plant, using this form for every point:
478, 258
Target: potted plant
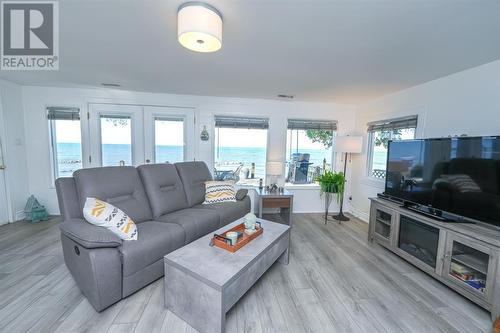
331, 183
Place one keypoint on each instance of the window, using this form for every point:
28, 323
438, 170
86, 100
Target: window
240, 149
169, 140
379, 134
308, 149
116, 138
66, 140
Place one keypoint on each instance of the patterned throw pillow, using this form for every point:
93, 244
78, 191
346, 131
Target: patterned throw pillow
217, 192
105, 215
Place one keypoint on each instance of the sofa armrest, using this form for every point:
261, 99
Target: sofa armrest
89, 236
241, 194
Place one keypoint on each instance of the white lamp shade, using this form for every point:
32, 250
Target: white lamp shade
199, 27
274, 168
348, 144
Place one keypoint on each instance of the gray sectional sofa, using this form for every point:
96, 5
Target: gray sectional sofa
164, 200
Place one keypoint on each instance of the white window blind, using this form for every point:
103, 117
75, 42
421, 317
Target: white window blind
393, 124
63, 113
241, 122
303, 124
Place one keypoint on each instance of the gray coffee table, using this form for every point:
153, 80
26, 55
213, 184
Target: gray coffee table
202, 283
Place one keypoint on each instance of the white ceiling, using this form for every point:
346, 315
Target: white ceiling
334, 50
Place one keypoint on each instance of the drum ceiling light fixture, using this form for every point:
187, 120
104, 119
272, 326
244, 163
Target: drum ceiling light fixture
199, 27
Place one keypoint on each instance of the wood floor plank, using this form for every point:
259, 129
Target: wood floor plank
336, 282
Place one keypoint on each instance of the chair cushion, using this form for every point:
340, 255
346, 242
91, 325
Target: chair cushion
119, 186
217, 192
105, 215
193, 176
155, 241
195, 222
163, 187
229, 211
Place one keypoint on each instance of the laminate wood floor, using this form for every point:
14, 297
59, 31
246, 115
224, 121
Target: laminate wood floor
336, 282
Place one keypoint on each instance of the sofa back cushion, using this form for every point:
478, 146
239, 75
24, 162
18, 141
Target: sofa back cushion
119, 186
163, 187
193, 176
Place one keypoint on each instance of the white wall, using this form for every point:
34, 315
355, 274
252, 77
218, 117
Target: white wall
467, 102
11, 112
37, 136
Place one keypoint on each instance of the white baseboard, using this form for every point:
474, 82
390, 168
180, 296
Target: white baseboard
363, 216
314, 212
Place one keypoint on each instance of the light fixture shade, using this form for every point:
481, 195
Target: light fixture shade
199, 27
274, 168
348, 144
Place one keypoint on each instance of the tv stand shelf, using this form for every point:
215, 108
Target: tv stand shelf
465, 257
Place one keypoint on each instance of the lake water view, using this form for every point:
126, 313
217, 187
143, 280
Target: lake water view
70, 159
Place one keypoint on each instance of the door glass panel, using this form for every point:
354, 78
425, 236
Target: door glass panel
383, 224
67, 147
469, 265
169, 140
116, 138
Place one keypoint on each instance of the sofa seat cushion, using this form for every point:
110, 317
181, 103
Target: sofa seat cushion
229, 211
195, 222
156, 239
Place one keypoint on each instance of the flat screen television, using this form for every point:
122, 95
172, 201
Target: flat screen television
460, 176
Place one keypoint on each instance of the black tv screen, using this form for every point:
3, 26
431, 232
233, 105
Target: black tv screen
456, 175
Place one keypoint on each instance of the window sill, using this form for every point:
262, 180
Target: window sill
312, 186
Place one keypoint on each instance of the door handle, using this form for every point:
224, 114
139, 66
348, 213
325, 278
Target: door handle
2, 167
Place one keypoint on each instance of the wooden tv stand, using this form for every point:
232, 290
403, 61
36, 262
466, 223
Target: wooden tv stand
460, 254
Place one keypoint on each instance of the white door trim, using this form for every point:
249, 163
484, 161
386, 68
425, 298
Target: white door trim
6, 213
187, 114
136, 115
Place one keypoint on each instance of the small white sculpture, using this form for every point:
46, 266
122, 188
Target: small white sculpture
250, 220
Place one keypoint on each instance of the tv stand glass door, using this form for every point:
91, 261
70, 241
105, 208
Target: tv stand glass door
469, 265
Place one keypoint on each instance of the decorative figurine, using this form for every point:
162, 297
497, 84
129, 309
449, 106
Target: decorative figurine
250, 220
204, 136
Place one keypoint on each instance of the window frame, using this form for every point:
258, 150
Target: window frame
116, 115
263, 121
54, 165
333, 154
389, 125
169, 117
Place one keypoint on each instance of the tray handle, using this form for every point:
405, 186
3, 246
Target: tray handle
222, 238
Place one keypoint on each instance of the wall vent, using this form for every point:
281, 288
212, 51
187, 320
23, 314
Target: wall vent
106, 84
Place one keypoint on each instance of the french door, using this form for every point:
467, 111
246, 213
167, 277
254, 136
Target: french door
116, 135
168, 134
135, 135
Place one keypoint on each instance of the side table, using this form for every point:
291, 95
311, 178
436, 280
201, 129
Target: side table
283, 201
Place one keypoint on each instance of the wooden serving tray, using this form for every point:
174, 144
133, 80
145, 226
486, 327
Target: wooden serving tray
244, 239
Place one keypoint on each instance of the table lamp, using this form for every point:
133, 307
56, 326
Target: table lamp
346, 145
274, 170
